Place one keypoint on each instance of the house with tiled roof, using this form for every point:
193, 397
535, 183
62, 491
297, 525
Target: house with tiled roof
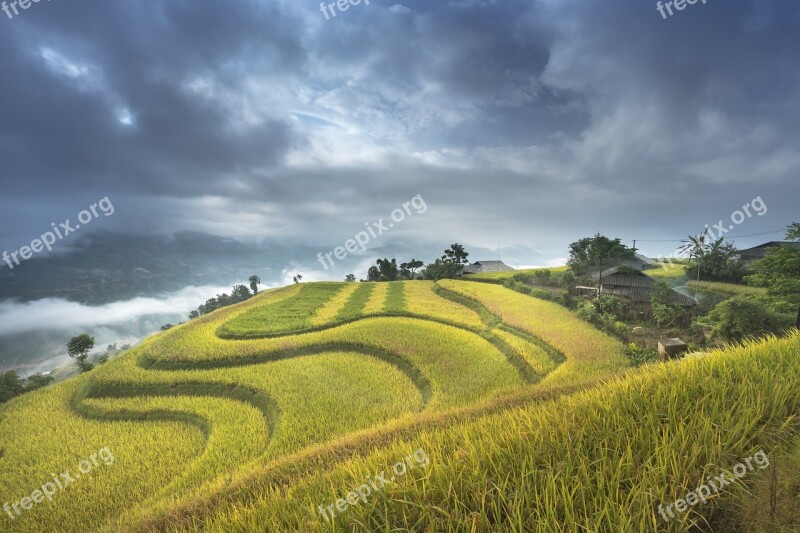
483, 267
757, 252
634, 286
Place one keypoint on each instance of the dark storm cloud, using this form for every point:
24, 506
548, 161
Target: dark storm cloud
75, 70
525, 122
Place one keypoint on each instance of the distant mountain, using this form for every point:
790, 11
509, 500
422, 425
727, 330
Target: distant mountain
106, 267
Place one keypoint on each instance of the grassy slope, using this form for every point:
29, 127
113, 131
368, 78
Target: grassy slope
589, 354
226, 403
298, 399
772, 505
597, 355
328, 312
667, 271
601, 460
492, 276
40, 434
727, 289
284, 316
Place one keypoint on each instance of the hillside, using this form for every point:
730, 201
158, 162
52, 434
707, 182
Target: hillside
259, 413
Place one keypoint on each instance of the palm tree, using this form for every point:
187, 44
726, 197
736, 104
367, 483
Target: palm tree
697, 247
793, 231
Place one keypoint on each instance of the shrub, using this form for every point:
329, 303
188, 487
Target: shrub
542, 276
587, 311
523, 288
740, 318
614, 305
568, 279
664, 313
640, 356
540, 293
523, 277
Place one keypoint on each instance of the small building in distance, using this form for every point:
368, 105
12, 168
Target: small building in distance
483, 267
757, 252
635, 286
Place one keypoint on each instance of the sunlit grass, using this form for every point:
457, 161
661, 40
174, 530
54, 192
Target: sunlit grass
41, 435
509, 273
284, 316
667, 271
589, 352
728, 289
330, 310
377, 299
601, 460
305, 365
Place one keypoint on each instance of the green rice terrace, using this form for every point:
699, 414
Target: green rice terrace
268, 414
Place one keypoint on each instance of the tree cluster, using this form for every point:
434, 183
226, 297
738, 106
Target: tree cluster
599, 252
450, 265
713, 260
779, 273
239, 293
11, 385
743, 317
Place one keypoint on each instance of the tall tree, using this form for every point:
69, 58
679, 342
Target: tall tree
793, 232
10, 385
78, 347
255, 281
410, 268
695, 247
598, 251
450, 265
717, 260
240, 293
350, 278
385, 270
779, 272
456, 254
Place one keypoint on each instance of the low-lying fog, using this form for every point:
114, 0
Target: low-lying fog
33, 335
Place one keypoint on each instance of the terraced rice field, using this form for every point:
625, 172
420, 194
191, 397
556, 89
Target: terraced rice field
206, 420
292, 368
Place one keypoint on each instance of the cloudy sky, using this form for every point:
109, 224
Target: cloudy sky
527, 123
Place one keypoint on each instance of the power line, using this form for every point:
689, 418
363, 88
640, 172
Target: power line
779, 230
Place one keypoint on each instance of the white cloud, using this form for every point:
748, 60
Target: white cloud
62, 315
